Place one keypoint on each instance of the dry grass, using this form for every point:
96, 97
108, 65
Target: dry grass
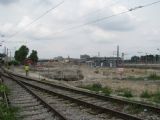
137, 87
105, 77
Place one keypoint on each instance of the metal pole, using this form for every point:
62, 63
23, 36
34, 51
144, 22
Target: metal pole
158, 55
146, 58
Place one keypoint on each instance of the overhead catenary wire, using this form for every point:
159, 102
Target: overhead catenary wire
16, 24
111, 16
35, 20
90, 22
94, 12
28, 25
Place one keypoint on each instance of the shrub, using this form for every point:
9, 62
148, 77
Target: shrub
7, 113
13, 62
98, 88
107, 90
126, 92
3, 88
146, 94
156, 97
97, 85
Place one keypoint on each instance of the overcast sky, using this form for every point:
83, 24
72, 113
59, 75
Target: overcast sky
59, 33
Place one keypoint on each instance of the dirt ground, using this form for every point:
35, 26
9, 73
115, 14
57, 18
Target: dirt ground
111, 77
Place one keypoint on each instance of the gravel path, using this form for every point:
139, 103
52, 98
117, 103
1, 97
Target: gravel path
138, 112
29, 107
71, 110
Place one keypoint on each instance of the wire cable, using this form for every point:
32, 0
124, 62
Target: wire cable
111, 16
90, 22
93, 12
35, 20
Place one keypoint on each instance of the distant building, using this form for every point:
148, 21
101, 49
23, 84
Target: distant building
103, 61
84, 56
59, 58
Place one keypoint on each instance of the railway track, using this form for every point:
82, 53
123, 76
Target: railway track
67, 108
30, 105
124, 109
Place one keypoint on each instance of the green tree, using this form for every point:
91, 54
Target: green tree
21, 54
33, 56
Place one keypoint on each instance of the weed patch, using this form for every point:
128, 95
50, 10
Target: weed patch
156, 97
134, 109
3, 88
146, 94
98, 88
107, 90
153, 76
125, 92
95, 87
7, 113
135, 78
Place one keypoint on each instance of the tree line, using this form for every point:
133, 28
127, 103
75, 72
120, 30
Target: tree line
21, 55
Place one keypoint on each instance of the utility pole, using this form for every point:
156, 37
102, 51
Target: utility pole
117, 62
98, 54
158, 54
10, 56
146, 59
123, 59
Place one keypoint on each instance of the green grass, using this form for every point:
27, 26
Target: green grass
133, 109
107, 90
135, 78
153, 76
128, 94
146, 94
156, 97
125, 92
97, 87
7, 113
3, 88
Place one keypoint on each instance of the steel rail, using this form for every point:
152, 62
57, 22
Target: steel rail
38, 97
84, 103
108, 98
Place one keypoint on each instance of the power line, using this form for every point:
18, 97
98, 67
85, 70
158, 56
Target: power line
28, 25
87, 23
111, 16
93, 12
152, 3
100, 9
17, 23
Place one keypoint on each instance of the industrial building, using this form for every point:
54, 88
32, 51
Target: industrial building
102, 61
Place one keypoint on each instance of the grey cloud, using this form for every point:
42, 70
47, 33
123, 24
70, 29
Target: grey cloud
6, 2
116, 26
120, 23
102, 36
117, 23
